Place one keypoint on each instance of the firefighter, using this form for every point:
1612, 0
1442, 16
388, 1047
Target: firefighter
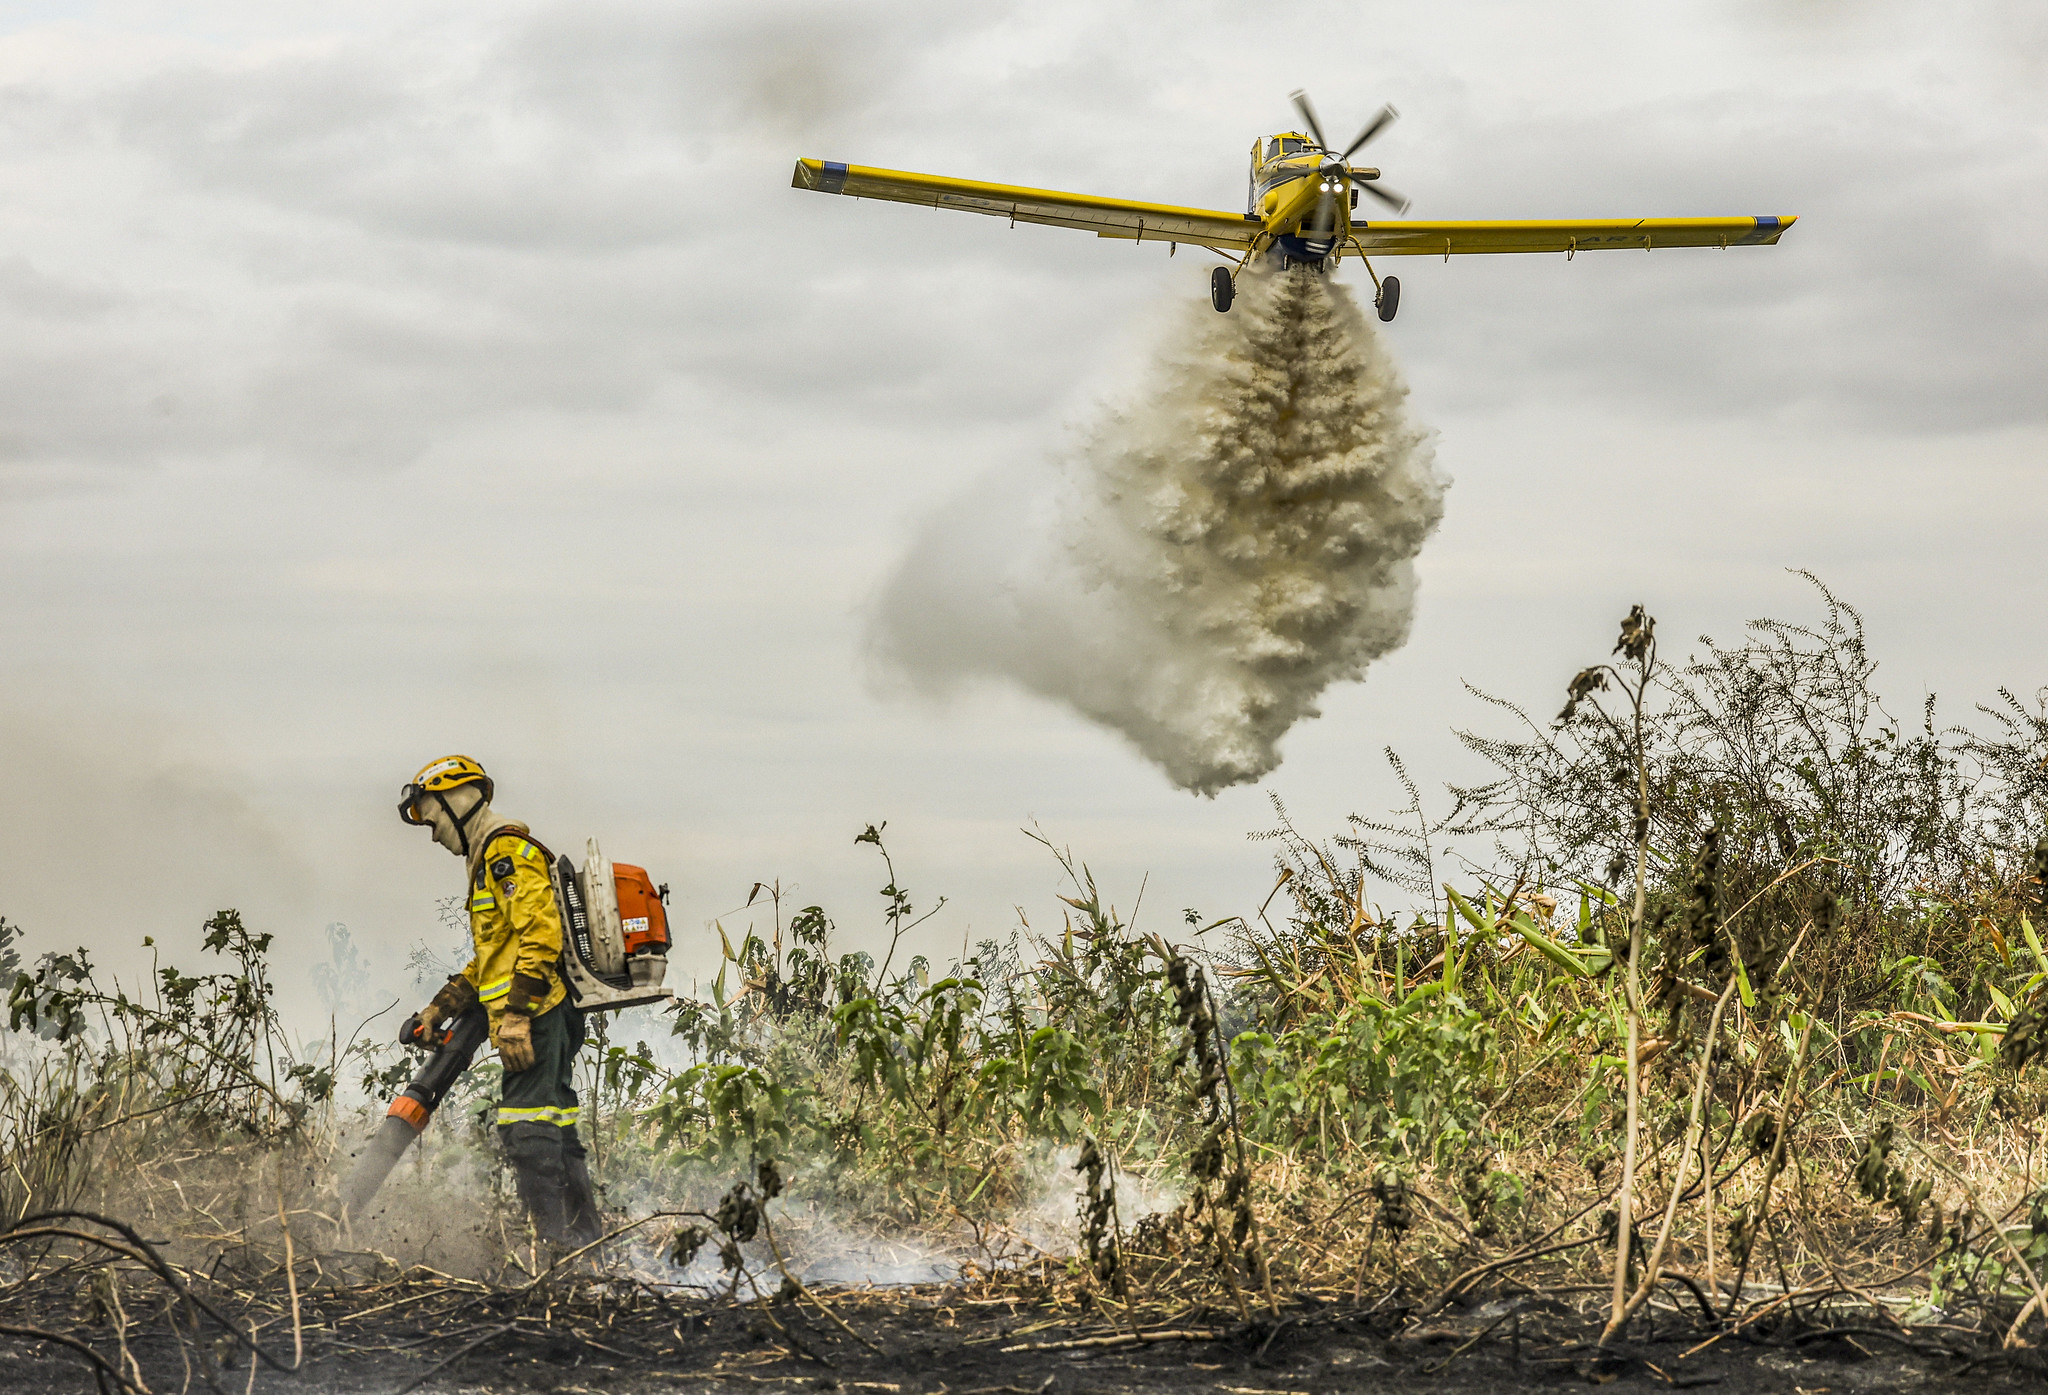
516, 930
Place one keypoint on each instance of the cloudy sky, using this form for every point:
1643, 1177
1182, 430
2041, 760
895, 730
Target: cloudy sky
395, 378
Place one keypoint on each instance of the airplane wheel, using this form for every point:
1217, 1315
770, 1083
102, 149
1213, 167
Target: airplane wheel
1390, 297
1221, 289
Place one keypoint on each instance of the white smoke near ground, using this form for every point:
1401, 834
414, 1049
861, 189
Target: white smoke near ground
1050, 1222
1216, 553
823, 1240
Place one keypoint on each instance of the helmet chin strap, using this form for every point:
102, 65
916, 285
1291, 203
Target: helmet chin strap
461, 821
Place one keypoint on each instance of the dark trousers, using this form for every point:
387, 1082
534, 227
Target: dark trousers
545, 1093
537, 1117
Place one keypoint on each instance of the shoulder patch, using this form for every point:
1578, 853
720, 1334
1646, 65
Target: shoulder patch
502, 868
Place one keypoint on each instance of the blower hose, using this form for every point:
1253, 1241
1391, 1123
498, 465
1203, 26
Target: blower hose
452, 1048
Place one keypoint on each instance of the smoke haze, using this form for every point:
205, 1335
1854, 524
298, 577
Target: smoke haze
328, 329
1216, 554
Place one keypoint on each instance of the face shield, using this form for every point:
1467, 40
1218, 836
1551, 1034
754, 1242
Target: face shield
409, 805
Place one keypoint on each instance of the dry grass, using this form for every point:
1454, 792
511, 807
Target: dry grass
1343, 1111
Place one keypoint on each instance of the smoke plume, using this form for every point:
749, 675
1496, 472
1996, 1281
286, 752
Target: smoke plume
1215, 554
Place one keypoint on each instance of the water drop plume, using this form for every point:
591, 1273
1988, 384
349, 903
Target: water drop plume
1215, 553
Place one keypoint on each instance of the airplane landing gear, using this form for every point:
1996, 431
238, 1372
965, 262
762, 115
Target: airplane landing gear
1221, 288
1389, 298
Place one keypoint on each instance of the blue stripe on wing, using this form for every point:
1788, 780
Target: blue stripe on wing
1767, 226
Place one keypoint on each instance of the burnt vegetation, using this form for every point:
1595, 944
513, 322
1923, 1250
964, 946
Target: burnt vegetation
1712, 1019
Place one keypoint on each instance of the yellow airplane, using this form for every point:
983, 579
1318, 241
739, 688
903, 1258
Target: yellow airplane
1298, 212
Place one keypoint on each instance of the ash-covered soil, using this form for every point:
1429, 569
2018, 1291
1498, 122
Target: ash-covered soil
945, 1341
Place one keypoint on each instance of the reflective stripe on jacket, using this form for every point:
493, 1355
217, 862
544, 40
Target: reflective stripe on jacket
514, 922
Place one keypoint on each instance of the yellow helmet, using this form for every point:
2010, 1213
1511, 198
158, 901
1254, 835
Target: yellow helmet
438, 777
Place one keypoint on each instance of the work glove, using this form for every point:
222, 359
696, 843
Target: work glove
453, 1000
513, 1036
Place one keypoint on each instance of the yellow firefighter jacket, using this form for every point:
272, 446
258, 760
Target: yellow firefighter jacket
514, 924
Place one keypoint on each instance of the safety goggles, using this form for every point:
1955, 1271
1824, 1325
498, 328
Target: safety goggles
408, 805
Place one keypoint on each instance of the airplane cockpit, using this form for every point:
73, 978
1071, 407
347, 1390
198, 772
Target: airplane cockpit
1277, 147
1265, 151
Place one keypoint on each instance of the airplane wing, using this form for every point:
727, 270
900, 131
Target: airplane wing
1391, 238
1122, 218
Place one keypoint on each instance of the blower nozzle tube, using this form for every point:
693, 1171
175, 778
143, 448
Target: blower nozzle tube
453, 1049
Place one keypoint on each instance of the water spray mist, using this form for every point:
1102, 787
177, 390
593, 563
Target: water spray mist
1218, 553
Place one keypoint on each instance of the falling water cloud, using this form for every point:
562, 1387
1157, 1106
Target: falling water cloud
1215, 554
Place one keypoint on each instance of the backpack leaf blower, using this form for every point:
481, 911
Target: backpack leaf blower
614, 933
614, 955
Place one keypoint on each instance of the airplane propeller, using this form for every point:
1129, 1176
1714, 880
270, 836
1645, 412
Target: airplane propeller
1341, 164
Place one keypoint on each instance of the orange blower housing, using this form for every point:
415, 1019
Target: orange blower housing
615, 941
641, 914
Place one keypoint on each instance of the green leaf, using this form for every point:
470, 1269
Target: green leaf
1483, 924
2034, 943
1553, 951
2004, 1003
